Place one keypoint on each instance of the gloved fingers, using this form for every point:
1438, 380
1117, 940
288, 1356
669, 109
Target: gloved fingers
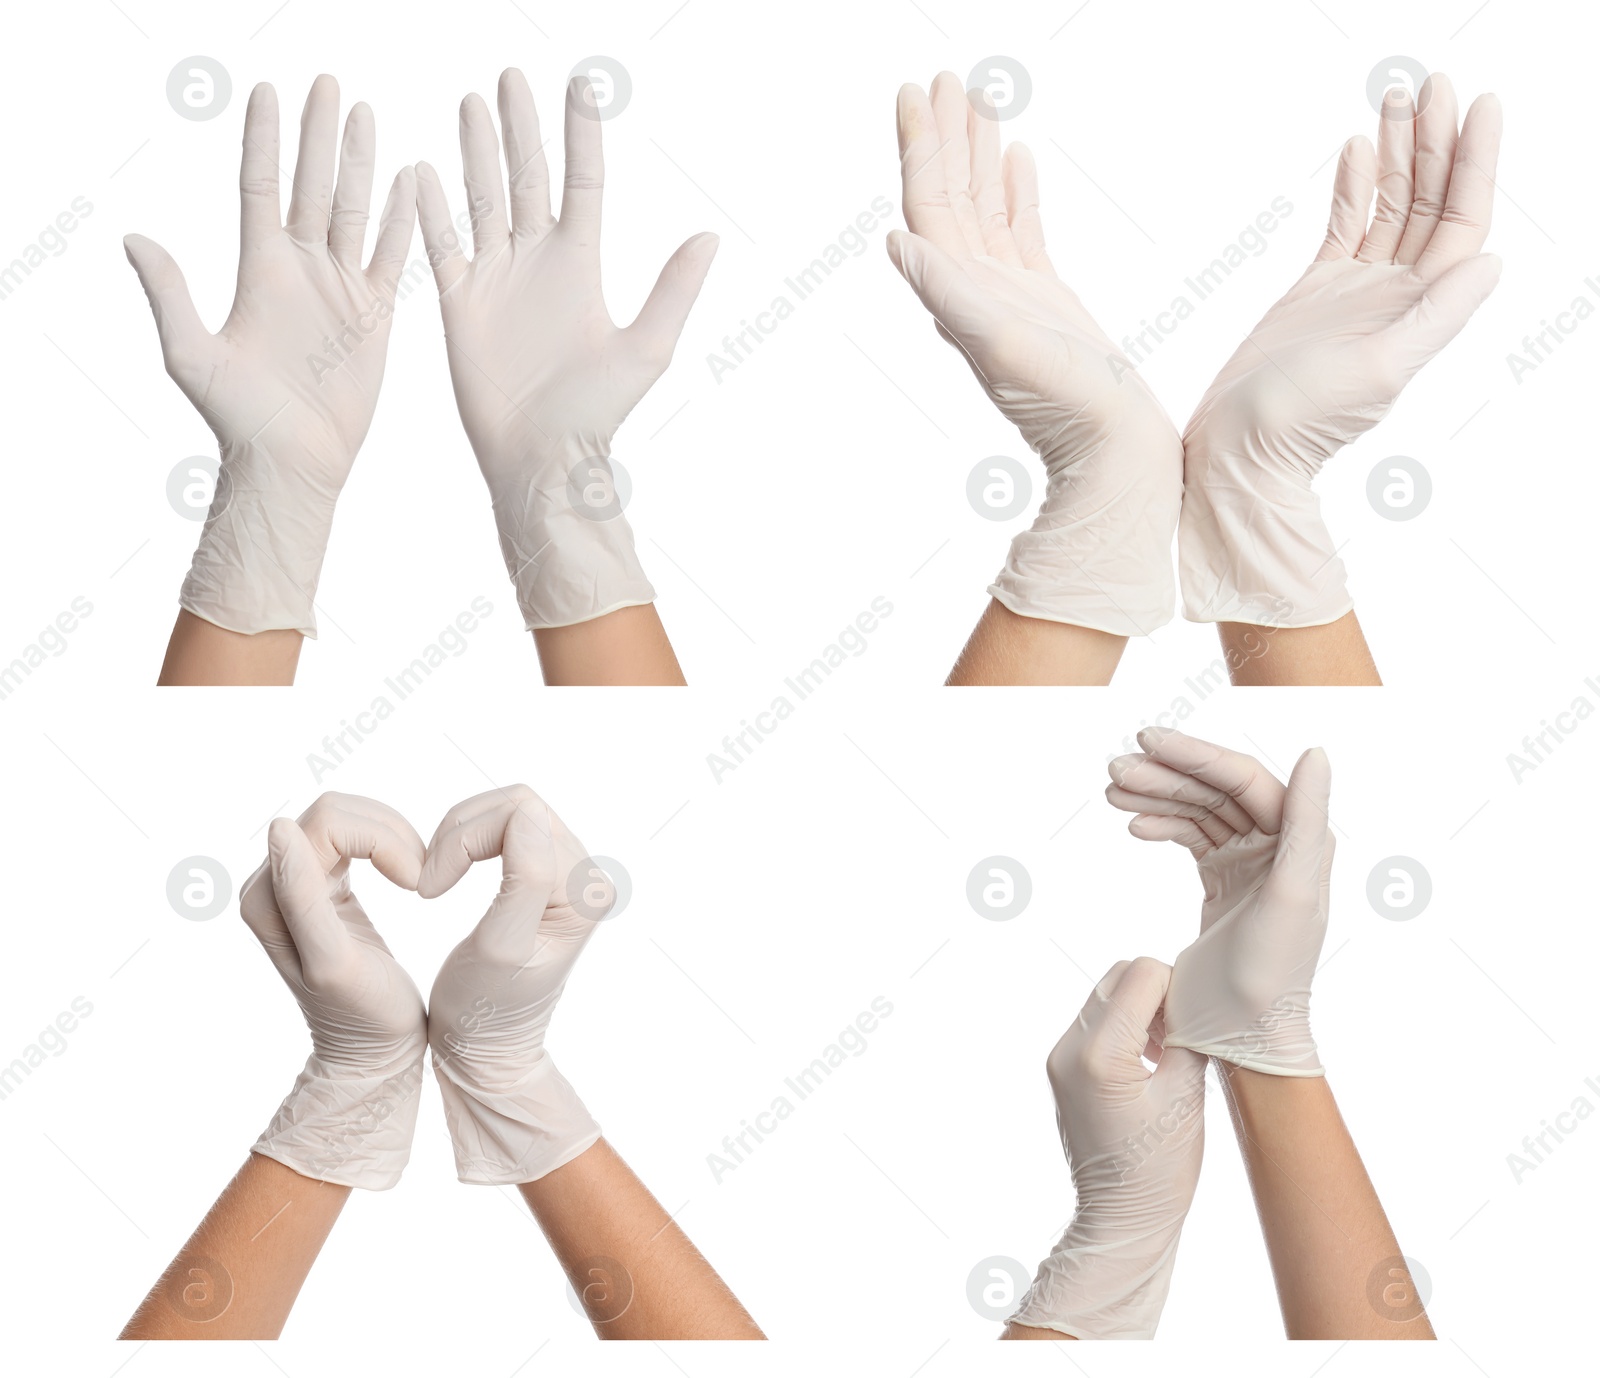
259, 212
310, 202
352, 190
1021, 177
439, 235
924, 201
1241, 777
1352, 200
949, 101
1217, 830
987, 191
585, 174
300, 889
482, 827
394, 234
184, 337
660, 320
1397, 148
1180, 1078
480, 172
1146, 778
1297, 865
525, 160
1469, 204
1187, 832
1436, 156
342, 827
1439, 315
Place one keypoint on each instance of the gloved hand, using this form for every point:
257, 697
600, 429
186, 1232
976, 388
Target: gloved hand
513, 1117
289, 383
1242, 990
1134, 1139
542, 376
1099, 553
352, 1112
1328, 361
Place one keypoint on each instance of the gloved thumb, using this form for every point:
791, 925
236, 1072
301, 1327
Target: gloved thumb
183, 335
949, 294
301, 888
1303, 840
660, 320
1444, 309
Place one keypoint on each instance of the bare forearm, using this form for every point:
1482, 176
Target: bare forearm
1334, 654
1005, 648
199, 652
1338, 1268
628, 646
240, 1272
636, 1272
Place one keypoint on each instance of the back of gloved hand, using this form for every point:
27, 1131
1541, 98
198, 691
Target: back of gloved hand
542, 376
290, 382
353, 1110
513, 1117
1328, 361
1099, 554
1134, 1139
1242, 990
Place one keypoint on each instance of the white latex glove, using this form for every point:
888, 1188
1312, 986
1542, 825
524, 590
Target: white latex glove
1242, 990
513, 1117
1328, 361
353, 1109
1134, 1139
289, 383
542, 376
1099, 553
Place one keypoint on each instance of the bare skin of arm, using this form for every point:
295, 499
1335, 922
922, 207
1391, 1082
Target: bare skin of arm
637, 1274
1006, 648
628, 646
200, 652
1335, 654
240, 1272
1338, 1268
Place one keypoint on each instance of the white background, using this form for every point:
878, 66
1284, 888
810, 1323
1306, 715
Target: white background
771, 508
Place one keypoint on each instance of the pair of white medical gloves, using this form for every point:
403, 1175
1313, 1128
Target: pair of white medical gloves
542, 376
1388, 290
1241, 993
352, 1112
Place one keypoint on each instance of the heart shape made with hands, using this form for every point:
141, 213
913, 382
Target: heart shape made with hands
512, 1116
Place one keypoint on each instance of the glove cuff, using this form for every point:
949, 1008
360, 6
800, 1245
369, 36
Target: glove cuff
567, 547
1071, 566
1103, 1282
517, 1133
260, 553
1253, 548
355, 1131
